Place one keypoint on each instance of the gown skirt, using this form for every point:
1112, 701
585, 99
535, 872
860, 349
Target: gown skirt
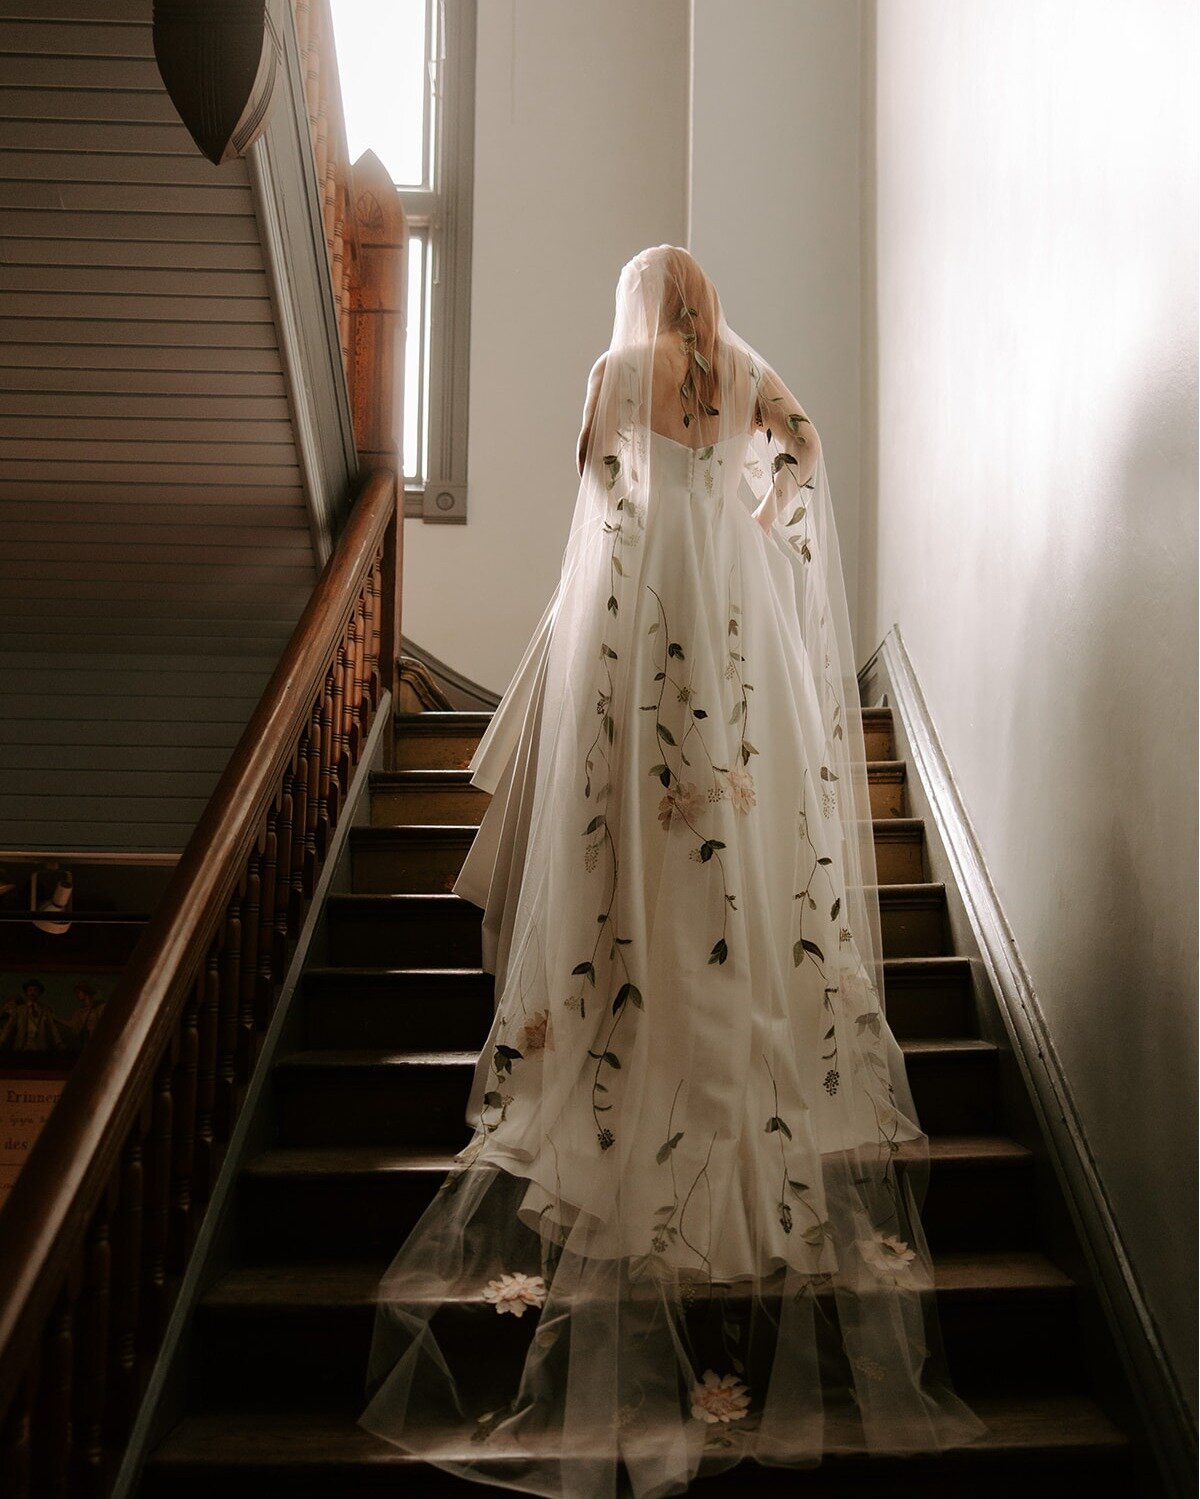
685, 1230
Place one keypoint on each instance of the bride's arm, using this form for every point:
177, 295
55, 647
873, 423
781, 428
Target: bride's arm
589, 408
780, 413
794, 444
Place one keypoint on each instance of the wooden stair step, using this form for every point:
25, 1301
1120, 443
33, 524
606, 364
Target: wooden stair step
886, 783
394, 1007
390, 930
411, 858
425, 796
879, 734
929, 996
360, 1201
899, 850
422, 795
1032, 1440
438, 740
362, 1095
306, 1327
453, 1007
416, 858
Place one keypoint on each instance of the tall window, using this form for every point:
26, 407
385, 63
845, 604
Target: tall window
407, 70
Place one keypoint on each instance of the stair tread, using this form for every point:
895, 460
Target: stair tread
308, 1284
304, 1439
321, 1160
434, 774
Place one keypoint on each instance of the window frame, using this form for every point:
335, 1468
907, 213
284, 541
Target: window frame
441, 211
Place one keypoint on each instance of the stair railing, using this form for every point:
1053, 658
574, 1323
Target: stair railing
101, 1221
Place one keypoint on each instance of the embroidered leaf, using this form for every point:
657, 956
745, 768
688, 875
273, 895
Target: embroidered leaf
776, 1123
794, 422
612, 603
702, 362
807, 946
675, 649
587, 970
492, 1100
827, 774
798, 1187
612, 1059
627, 992
779, 460
837, 906
719, 953
653, 628
699, 713
824, 861
705, 454
709, 410
607, 650
664, 1151
797, 515
596, 822
665, 734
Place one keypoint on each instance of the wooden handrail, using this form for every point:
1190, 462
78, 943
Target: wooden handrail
103, 1215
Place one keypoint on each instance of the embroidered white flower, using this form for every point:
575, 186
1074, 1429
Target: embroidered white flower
890, 1257
684, 802
719, 1398
513, 1293
741, 790
535, 1034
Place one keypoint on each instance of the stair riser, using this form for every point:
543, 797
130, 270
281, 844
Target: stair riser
367, 1215
447, 1019
440, 1019
398, 939
900, 861
880, 741
425, 1104
425, 869
913, 928
432, 867
402, 940
918, 1011
306, 1352
435, 751
397, 806
887, 796
410, 1105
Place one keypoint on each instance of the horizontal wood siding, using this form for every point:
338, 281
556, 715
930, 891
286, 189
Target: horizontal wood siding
155, 549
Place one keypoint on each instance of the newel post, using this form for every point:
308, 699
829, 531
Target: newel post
375, 369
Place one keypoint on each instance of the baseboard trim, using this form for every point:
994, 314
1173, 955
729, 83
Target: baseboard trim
1155, 1387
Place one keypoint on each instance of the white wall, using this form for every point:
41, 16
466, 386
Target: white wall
1035, 526
580, 161
776, 209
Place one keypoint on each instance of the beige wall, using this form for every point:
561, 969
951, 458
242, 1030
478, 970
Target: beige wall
1034, 306
776, 207
580, 161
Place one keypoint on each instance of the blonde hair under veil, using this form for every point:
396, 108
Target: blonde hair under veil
695, 1166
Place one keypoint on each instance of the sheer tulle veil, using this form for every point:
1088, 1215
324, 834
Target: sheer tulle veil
696, 1170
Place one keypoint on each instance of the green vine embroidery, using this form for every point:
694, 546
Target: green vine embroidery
817, 1231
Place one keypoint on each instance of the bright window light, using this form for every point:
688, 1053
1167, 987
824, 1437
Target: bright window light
383, 51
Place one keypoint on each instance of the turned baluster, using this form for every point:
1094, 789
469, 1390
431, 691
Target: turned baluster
264, 989
339, 756
228, 1090
91, 1356
312, 819
52, 1412
284, 824
374, 623
205, 1168
300, 848
325, 798
156, 1215
181, 1223
16, 1441
128, 1233
247, 1040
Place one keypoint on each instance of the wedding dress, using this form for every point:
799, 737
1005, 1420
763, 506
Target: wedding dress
686, 1229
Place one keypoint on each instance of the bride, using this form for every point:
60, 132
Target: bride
686, 1229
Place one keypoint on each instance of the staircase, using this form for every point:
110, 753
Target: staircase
369, 1110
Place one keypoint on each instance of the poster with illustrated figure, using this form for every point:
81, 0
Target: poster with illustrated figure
48, 1015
